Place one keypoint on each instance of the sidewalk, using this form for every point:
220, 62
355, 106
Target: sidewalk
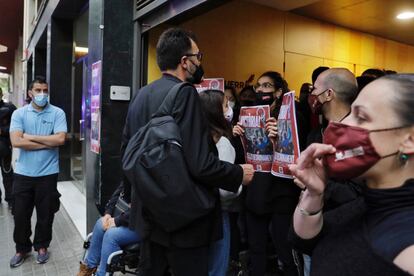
65, 248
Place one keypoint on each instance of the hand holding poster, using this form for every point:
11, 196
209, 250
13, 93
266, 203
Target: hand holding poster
258, 149
287, 149
216, 84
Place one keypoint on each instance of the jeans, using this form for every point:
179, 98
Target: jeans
104, 243
306, 265
219, 252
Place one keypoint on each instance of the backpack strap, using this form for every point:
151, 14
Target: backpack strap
167, 105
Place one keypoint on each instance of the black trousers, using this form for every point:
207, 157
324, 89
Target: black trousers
181, 261
257, 235
29, 192
7, 174
235, 236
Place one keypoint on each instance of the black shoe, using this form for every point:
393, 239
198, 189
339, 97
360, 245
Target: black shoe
17, 260
42, 256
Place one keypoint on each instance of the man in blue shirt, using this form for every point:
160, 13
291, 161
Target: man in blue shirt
37, 130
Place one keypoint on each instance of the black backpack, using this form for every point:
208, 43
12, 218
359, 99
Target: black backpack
154, 163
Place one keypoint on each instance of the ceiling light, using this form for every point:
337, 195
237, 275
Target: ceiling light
3, 68
81, 50
405, 15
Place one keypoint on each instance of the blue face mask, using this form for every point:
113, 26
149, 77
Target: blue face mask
41, 100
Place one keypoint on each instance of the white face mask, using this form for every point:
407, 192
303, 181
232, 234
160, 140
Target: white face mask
232, 104
229, 114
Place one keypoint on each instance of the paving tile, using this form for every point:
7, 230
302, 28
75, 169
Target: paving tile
65, 248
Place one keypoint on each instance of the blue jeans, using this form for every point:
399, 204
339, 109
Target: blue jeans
306, 265
218, 259
103, 243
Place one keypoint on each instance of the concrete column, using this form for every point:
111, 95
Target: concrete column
110, 41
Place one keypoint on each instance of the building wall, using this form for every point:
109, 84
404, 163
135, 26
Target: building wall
241, 38
18, 90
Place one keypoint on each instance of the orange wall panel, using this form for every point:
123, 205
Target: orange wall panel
242, 38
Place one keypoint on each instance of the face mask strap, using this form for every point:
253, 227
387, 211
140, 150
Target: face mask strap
387, 129
346, 115
389, 155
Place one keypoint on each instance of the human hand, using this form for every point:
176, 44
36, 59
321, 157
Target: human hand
105, 221
248, 173
27, 136
309, 172
238, 130
271, 128
111, 223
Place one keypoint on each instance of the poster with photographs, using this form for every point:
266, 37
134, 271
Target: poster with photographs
258, 149
96, 107
287, 150
211, 83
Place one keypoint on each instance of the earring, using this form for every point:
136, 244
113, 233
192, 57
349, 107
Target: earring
403, 158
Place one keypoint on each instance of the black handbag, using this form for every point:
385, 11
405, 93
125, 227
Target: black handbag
121, 206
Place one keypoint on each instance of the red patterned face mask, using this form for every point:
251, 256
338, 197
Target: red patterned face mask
355, 153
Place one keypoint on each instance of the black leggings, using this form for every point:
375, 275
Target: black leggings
257, 235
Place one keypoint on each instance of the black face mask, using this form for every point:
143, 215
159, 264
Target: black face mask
264, 98
197, 76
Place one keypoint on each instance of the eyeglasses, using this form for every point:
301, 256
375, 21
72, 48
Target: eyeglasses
263, 85
319, 93
199, 56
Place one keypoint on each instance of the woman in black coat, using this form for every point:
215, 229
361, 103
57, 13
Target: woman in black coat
372, 235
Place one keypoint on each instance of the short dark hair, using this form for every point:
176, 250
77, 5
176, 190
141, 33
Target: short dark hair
363, 81
317, 72
403, 101
172, 45
231, 88
390, 72
247, 93
37, 79
212, 106
377, 73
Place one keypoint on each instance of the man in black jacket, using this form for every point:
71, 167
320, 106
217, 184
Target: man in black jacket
6, 110
185, 251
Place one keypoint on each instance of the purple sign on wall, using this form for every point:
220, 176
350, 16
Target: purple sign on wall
96, 106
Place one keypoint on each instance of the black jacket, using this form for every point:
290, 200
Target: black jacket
201, 157
125, 190
6, 111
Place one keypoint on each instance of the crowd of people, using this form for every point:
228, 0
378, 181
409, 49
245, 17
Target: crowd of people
349, 209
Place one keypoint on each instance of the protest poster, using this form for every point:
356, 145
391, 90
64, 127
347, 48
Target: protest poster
258, 149
287, 149
210, 83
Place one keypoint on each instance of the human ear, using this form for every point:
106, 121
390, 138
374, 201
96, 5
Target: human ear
407, 146
329, 95
183, 62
